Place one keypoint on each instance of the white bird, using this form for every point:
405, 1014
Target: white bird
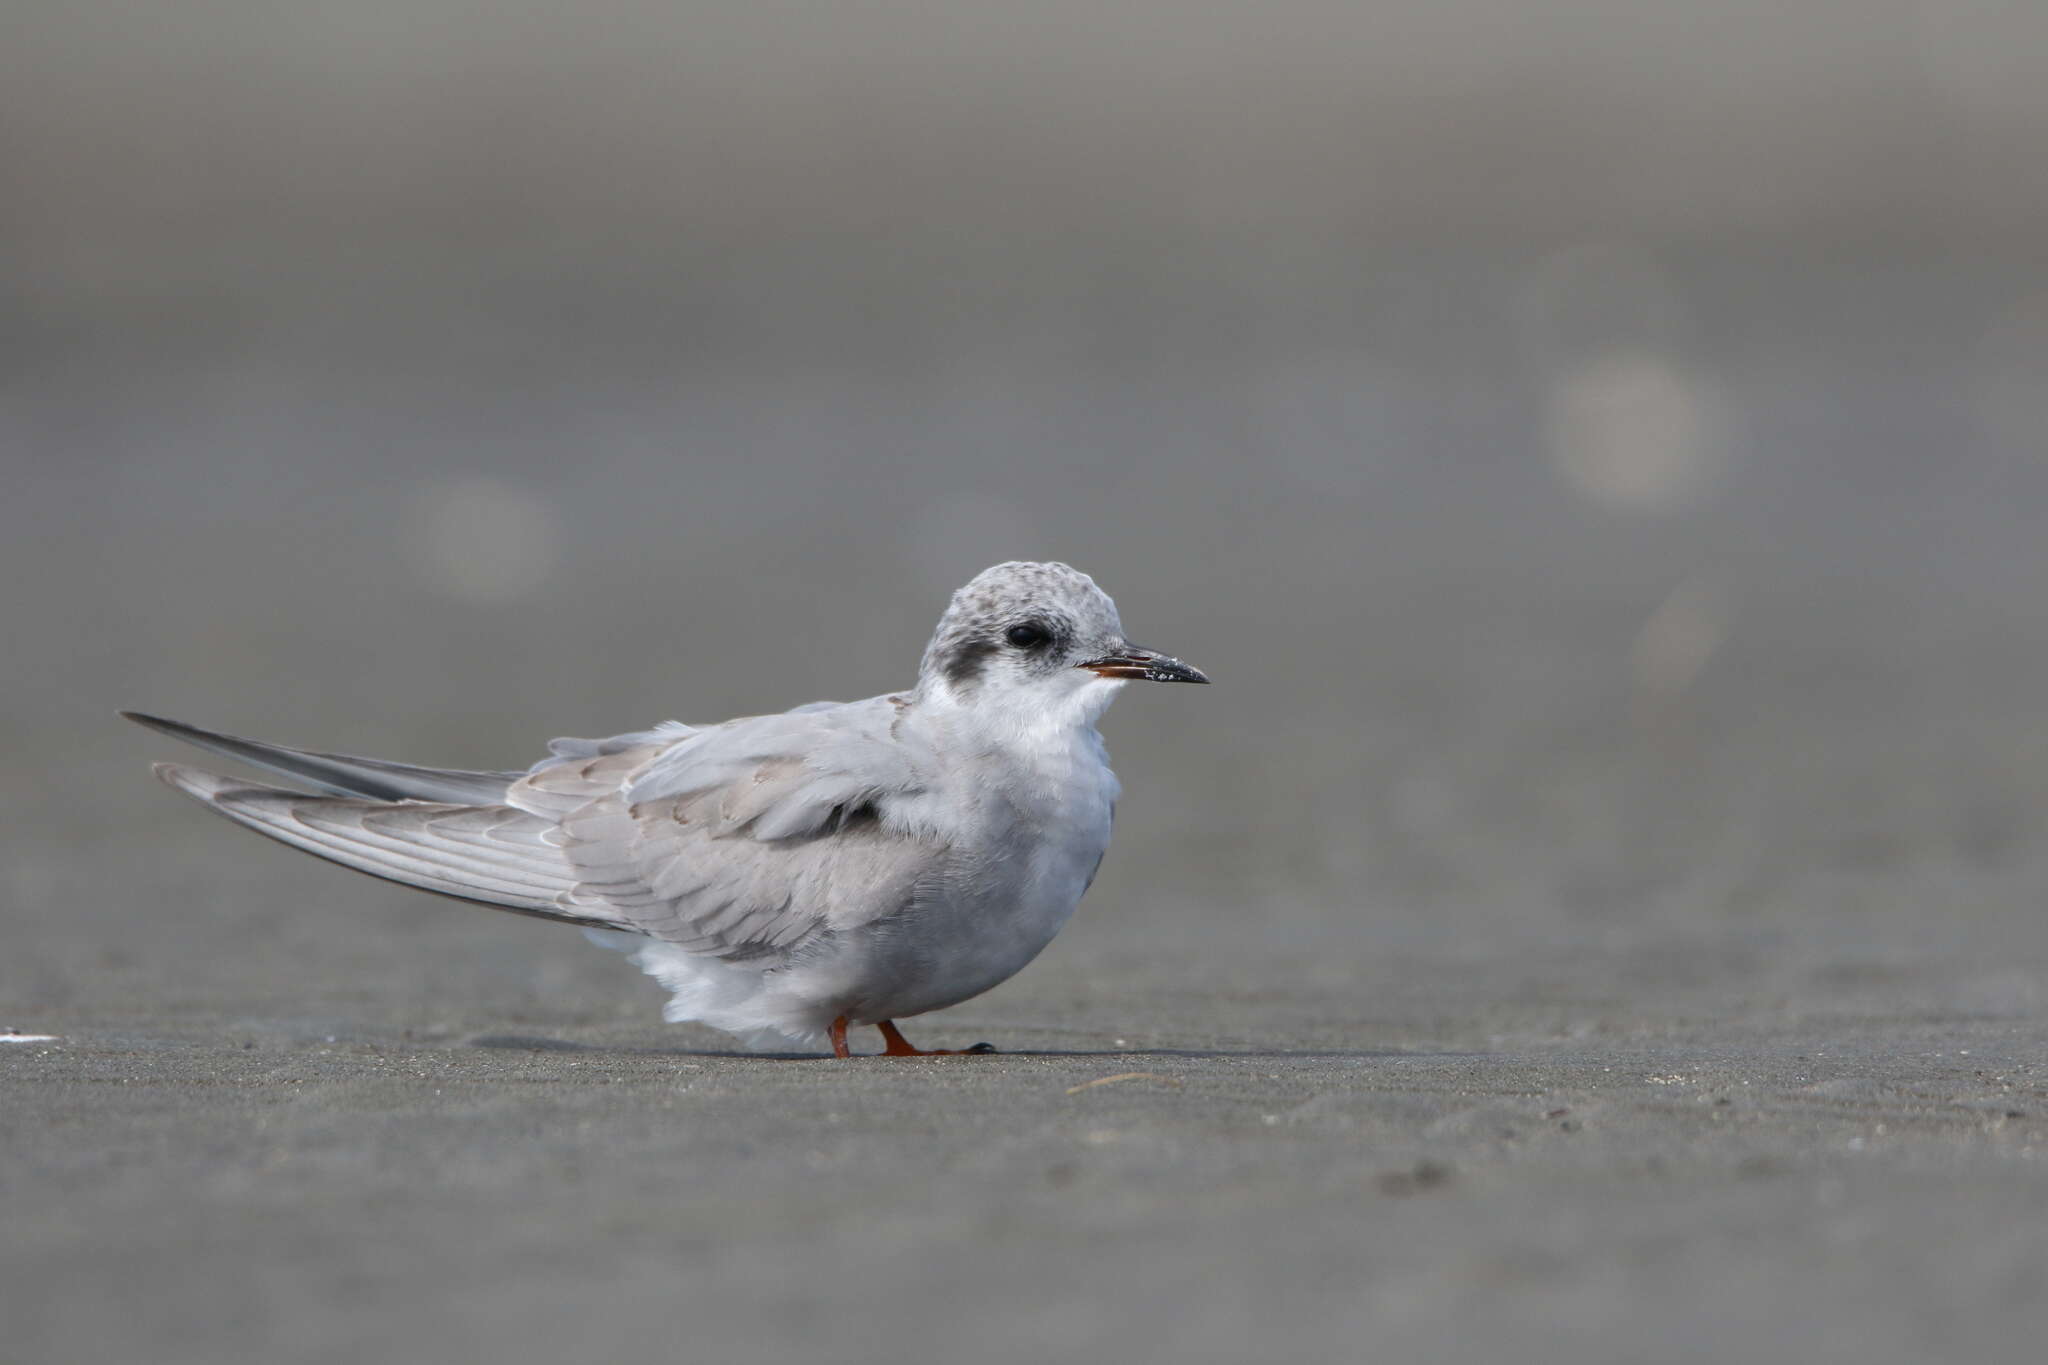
784, 876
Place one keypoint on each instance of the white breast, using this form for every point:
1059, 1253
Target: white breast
1034, 804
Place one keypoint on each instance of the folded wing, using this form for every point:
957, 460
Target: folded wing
731, 841
740, 838
493, 855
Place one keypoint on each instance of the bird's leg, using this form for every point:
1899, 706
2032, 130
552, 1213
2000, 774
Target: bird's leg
895, 1044
899, 1046
839, 1047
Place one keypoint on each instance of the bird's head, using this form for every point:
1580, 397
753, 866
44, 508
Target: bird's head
1038, 637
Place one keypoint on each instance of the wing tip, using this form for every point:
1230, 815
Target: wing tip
163, 725
196, 783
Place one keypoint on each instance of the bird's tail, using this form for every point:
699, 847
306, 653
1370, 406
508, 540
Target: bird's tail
343, 774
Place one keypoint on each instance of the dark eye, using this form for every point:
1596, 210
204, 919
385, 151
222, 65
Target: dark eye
1030, 635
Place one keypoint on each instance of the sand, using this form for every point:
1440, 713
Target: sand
1472, 1160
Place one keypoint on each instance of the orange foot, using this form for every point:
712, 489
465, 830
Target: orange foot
896, 1045
899, 1046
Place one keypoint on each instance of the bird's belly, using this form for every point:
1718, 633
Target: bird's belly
953, 948
1023, 852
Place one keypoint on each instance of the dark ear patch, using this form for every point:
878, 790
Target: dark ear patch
964, 664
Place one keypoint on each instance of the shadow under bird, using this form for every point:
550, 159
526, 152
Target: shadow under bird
784, 876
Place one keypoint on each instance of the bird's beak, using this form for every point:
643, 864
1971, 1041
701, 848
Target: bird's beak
1145, 665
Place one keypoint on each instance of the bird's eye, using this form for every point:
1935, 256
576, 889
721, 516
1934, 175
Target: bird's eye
1030, 635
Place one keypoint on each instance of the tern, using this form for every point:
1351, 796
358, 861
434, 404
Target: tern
784, 876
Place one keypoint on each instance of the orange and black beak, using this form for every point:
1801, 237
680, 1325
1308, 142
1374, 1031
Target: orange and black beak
1144, 665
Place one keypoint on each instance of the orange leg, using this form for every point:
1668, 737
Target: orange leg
899, 1046
839, 1047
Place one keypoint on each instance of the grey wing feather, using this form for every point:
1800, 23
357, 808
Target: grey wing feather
711, 841
343, 774
560, 750
707, 838
790, 775
493, 855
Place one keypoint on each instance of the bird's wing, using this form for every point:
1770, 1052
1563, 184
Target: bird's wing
739, 838
732, 840
493, 855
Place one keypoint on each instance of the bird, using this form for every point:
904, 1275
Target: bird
785, 876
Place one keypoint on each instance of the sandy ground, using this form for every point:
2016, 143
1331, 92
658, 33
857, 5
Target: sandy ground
1611, 1158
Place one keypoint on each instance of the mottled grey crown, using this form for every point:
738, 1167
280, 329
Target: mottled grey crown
1079, 621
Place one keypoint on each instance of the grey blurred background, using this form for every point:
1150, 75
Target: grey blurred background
1598, 448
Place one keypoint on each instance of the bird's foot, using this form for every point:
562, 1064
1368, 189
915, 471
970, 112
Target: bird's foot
896, 1045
